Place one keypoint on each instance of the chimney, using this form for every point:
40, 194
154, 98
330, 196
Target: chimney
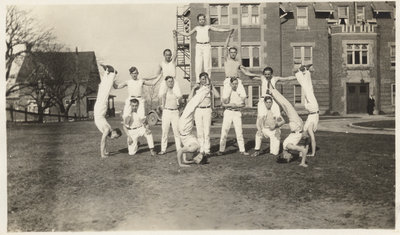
76, 50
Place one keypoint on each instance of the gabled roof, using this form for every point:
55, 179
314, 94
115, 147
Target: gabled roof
80, 66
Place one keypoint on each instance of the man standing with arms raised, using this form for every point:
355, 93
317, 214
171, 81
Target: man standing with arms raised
232, 67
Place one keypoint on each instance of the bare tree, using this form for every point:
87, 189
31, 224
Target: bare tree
37, 88
23, 36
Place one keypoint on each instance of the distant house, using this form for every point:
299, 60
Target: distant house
77, 69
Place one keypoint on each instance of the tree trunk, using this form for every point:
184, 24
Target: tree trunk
8, 70
40, 114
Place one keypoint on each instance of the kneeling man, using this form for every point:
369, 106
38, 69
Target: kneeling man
135, 126
268, 126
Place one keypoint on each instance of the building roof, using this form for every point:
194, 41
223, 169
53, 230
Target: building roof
381, 7
80, 66
323, 7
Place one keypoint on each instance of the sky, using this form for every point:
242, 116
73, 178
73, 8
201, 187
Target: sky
122, 35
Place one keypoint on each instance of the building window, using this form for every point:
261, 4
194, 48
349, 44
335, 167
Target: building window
250, 14
251, 56
357, 54
217, 56
90, 104
393, 93
343, 15
393, 55
298, 95
255, 91
360, 15
219, 14
302, 55
302, 17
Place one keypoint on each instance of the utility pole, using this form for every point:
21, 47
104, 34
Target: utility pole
78, 101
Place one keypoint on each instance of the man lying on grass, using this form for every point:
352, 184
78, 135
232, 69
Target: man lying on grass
101, 106
291, 143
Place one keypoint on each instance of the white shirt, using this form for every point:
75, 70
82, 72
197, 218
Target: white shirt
135, 87
101, 105
171, 101
133, 120
231, 68
269, 116
235, 98
207, 100
202, 33
264, 85
168, 68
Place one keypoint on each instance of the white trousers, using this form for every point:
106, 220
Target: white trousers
262, 110
203, 59
227, 90
229, 117
135, 134
163, 89
170, 117
274, 139
202, 117
127, 107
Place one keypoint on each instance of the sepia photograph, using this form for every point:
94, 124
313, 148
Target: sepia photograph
199, 116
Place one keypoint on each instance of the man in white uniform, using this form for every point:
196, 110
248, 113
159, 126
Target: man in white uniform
189, 141
203, 112
170, 116
268, 81
233, 114
135, 126
291, 143
232, 67
167, 67
303, 76
135, 87
203, 47
101, 106
268, 126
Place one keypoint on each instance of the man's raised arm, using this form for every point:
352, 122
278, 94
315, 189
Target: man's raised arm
227, 43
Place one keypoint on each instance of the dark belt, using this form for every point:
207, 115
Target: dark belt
170, 109
134, 128
202, 42
236, 110
313, 113
296, 132
135, 96
204, 107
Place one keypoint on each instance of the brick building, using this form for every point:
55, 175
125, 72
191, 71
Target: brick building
351, 44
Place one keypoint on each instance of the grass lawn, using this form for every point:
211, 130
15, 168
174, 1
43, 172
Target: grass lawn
57, 181
377, 124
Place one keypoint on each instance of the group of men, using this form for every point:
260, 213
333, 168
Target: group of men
199, 106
